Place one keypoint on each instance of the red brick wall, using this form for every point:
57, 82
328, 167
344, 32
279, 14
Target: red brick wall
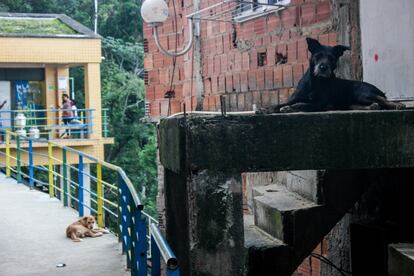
312, 266
234, 71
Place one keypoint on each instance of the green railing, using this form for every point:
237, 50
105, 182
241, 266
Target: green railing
92, 186
105, 122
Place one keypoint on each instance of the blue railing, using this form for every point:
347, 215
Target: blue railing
113, 198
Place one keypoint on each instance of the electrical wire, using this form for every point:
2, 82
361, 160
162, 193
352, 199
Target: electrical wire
328, 262
175, 26
192, 78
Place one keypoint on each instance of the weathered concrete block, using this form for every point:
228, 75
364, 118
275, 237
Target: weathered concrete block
306, 183
286, 215
205, 222
177, 217
264, 253
279, 212
401, 259
298, 141
252, 180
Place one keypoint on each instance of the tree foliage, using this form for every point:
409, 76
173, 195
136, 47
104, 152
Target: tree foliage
122, 88
129, 56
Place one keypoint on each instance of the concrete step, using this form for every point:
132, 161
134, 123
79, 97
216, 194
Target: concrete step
400, 259
264, 253
299, 218
308, 184
283, 214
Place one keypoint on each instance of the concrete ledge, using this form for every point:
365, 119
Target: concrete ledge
400, 259
299, 141
264, 253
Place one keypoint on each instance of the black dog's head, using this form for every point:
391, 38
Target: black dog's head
324, 59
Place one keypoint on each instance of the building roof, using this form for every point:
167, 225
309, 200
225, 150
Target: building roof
42, 25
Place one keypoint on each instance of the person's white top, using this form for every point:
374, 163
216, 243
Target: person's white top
75, 111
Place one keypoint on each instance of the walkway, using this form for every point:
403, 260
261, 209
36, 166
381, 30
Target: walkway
33, 240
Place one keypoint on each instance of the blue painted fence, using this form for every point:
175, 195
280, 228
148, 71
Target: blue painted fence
141, 239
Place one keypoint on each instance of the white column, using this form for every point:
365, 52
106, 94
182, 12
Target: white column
87, 187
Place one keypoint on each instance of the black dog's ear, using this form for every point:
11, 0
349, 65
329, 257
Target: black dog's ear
313, 45
339, 50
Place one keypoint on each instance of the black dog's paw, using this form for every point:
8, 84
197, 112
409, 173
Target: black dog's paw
400, 106
262, 111
268, 110
374, 106
287, 109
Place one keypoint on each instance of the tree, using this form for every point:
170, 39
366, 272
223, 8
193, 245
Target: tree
120, 24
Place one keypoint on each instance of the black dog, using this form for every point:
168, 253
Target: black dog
320, 90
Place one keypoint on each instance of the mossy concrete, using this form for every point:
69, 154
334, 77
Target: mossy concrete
204, 223
299, 141
202, 155
34, 26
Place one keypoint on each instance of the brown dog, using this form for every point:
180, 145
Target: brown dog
84, 227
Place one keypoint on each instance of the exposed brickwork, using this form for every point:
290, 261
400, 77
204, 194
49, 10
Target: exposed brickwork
229, 57
312, 266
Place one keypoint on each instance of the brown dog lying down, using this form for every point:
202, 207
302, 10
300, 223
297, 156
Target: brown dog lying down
84, 227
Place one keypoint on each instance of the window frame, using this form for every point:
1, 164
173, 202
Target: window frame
253, 12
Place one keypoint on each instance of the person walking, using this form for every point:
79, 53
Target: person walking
67, 114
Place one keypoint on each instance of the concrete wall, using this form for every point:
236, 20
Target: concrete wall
388, 45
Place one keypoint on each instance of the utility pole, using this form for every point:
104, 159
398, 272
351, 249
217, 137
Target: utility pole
96, 17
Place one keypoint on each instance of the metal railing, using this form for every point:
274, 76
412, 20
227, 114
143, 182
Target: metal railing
101, 188
49, 123
105, 122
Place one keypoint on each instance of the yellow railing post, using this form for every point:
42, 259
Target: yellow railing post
51, 184
7, 152
99, 192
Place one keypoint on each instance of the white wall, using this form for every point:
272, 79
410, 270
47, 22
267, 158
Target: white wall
5, 96
387, 30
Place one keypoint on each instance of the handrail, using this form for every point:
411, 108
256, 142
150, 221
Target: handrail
42, 110
121, 172
51, 122
165, 250
133, 223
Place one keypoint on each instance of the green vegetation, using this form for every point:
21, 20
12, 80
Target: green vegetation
34, 26
122, 87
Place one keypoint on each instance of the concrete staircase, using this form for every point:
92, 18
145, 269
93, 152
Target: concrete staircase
292, 215
203, 157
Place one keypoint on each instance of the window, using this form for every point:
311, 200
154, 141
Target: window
258, 8
146, 49
261, 59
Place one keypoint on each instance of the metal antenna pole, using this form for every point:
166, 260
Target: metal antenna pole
96, 17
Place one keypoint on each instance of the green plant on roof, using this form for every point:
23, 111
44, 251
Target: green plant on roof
34, 26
